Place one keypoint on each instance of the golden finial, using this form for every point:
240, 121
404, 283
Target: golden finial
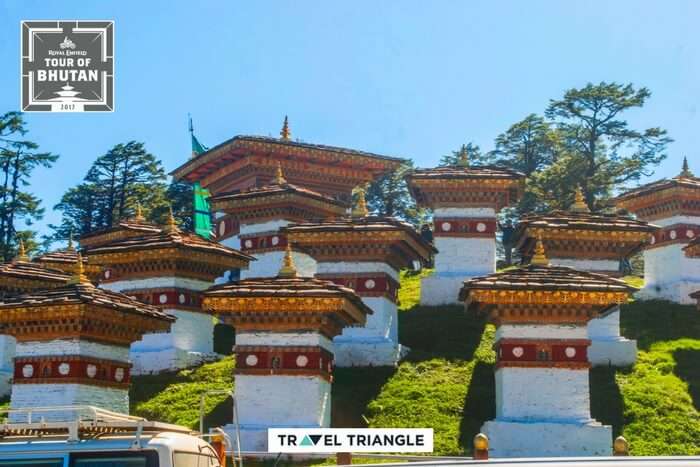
79, 276
138, 216
579, 202
539, 258
481, 447
171, 226
70, 241
288, 270
463, 158
360, 209
279, 176
621, 447
285, 133
685, 172
21, 252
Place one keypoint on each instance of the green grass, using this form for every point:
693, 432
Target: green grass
447, 383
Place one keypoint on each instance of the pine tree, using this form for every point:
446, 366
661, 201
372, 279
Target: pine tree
389, 196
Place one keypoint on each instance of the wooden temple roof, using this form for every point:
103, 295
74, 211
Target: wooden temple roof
660, 185
125, 228
18, 275
476, 172
82, 293
271, 192
68, 256
584, 221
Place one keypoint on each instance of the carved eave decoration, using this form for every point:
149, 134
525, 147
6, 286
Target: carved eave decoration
291, 206
124, 230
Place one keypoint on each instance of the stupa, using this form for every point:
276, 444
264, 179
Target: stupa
364, 253
595, 243
168, 269
261, 212
134, 226
465, 201
65, 259
692, 251
73, 344
284, 349
18, 276
251, 161
673, 204
542, 381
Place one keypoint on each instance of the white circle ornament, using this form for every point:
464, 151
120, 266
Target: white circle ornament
652, 240
275, 240
163, 298
91, 370
222, 228
446, 226
370, 284
108, 274
570, 352
119, 374
182, 299
302, 361
251, 360
248, 243
28, 370
480, 227
672, 234
689, 233
518, 352
64, 368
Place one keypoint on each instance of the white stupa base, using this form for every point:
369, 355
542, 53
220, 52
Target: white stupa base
166, 360
608, 347
253, 438
678, 292
5, 382
356, 353
441, 289
7, 354
547, 438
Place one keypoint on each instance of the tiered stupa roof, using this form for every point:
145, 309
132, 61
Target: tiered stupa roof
248, 161
464, 185
578, 233
22, 275
125, 228
678, 196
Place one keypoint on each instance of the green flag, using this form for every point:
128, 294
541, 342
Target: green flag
202, 212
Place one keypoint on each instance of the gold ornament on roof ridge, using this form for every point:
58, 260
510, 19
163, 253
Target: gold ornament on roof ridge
360, 208
279, 176
21, 252
70, 241
463, 158
288, 270
171, 226
79, 276
579, 202
539, 258
138, 216
685, 172
285, 133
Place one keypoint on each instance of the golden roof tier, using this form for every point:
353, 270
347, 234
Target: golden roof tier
466, 186
286, 304
167, 252
250, 161
583, 235
122, 230
369, 238
23, 276
64, 260
544, 294
79, 310
678, 196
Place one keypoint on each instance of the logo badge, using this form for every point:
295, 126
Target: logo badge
333, 440
67, 66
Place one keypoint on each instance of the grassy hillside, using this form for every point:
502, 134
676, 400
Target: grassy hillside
446, 382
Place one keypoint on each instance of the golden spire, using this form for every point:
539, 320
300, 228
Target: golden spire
579, 202
279, 176
79, 276
285, 133
360, 209
70, 241
685, 172
138, 216
288, 270
539, 258
171, 226
463, 158
21, 252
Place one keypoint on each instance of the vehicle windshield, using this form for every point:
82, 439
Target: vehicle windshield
32, 463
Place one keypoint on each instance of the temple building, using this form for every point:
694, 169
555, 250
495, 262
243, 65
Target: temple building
364, 253
284, 348
251, 161
542, 369
168, 269
260, 212
692, 251
595, 243
73, 344
465, 201
65, 259
18, 276
673, 204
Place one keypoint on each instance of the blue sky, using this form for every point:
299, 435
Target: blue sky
407, 78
